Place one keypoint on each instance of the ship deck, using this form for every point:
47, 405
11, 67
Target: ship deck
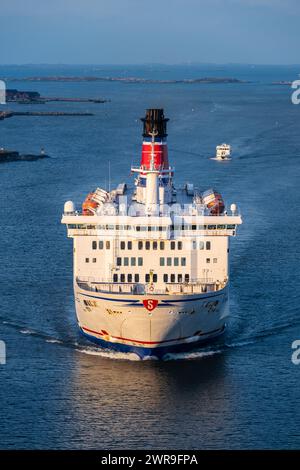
200, 286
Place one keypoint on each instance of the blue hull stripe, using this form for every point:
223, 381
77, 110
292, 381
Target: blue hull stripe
165, 303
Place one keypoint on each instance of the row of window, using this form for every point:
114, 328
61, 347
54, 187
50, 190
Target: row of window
147, 245
136, 278
172, 261
140, 228
101, 244
126, 261
133, 261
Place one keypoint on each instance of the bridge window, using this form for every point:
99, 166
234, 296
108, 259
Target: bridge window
101, 245
94, 245
115, 278
183, 261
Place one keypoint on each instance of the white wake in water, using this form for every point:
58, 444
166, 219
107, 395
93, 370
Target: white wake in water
109, 354
54, 340
202, 353
191, 355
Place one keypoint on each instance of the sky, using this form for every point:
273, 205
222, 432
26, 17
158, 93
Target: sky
149, 31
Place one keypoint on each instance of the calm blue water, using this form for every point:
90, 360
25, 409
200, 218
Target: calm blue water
57, 391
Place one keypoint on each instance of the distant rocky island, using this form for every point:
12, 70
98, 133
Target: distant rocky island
33, 97
9, 114
14, 156
127, 79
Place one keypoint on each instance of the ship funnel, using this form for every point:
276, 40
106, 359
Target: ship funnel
155, 140
155, 123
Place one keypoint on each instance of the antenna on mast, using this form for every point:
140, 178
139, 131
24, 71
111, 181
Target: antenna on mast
109, 176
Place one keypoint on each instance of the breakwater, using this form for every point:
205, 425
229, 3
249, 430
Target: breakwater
8, 114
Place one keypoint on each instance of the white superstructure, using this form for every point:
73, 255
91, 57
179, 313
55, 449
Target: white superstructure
223, 152
151, 261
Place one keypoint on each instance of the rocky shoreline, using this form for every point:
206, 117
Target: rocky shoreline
14, 156
33, 97
8, 114
126, 79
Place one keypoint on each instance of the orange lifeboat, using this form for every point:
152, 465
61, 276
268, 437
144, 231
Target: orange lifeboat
93, 201
213, 201
89, 206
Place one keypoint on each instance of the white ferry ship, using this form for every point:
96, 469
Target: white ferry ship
151, 270
223, 152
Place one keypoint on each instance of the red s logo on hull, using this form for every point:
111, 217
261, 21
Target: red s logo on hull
150, 304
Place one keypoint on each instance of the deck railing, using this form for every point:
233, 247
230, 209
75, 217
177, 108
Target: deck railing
176, 288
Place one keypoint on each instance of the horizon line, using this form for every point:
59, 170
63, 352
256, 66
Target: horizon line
189, 63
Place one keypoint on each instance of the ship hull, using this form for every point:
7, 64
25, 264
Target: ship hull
158, 352
153, 325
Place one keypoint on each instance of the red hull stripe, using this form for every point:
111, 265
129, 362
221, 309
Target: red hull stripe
145, 342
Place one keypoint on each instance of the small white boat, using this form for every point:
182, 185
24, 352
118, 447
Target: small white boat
223, 152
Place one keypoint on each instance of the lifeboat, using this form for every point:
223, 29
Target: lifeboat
213, 201
93, 201
89, 206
